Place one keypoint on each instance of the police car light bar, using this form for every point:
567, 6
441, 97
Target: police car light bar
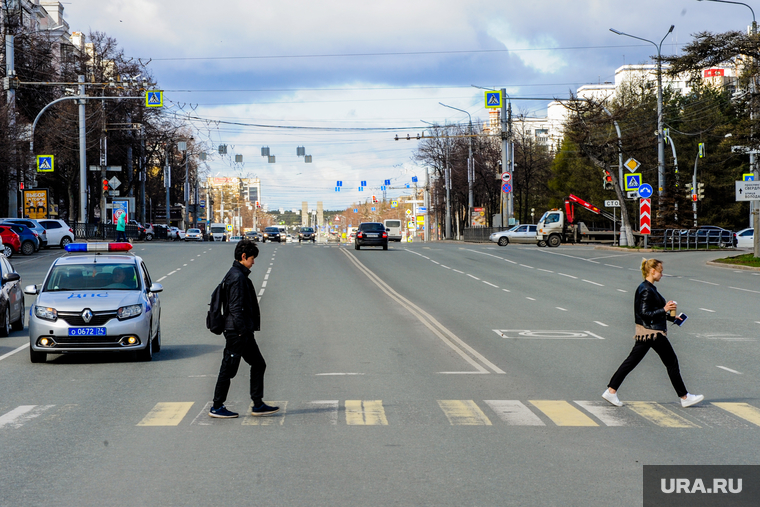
98, 247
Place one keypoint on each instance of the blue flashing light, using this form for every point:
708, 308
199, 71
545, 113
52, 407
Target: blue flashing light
98, 247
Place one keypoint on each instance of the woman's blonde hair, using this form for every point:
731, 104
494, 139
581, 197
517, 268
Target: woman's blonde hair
647, 265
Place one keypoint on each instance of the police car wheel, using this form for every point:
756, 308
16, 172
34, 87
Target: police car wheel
145, 354
157, 339
37, 357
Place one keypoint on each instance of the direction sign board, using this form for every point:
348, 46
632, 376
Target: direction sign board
747, 190
631, 164
45, 163
748, 177
506, 177
611, 204
506, 188
422, 209
645, 190
493, 99
154, 98
645, 216
632, 181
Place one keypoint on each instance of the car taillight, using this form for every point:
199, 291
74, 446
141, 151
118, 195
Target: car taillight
385, 234
359, 235
71, 230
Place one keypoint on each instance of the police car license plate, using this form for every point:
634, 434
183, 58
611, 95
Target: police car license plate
372, 235
87, 331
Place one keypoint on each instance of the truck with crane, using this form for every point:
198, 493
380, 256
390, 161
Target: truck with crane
556, 226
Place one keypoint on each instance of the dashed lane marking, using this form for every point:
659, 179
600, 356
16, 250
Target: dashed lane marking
473, 276
457, 271
593, 283
569, 276
745, 290
728, 369
559, 308
526, 266
702, 281
529, 298
489, 283
18, 349
707, 310
600, 323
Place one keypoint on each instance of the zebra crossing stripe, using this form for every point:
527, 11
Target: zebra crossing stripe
514, 412
463, 413
365, 413
743, 410
602, 410
563, 413
659, 415
166, 414
21, 414
276, 419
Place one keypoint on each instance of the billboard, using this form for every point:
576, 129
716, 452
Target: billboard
36, 203
120, 206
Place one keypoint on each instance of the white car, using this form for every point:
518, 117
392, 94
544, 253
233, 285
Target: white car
525, 233
176, 233
745, 238
58, 232
194, 235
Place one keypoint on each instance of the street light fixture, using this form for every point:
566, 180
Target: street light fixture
660, 137
470, 168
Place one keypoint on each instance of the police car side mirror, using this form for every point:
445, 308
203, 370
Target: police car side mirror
31, 290
156, 287
11, 277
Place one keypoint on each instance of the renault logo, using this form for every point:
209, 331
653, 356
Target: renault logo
87, 315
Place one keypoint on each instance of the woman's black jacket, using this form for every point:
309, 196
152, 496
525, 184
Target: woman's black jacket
649, 307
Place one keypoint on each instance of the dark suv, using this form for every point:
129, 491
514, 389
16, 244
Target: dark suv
371, 234
272, 234
307, 234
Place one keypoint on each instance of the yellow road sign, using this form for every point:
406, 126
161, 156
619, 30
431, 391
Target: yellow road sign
631, 164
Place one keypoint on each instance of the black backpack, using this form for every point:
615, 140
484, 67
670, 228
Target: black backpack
215, 317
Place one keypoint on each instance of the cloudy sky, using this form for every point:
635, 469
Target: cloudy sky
330, 75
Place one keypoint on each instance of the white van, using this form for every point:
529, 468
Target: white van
393, 228
217, 232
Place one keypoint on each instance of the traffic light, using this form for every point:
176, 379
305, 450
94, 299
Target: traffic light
694, 197
105, 185
700, 191
374, 199
608, 181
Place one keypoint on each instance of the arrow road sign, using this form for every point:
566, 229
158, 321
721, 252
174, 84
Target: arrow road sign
645, 216
645, 190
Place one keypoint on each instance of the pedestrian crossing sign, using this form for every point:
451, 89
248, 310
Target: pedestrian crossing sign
45, 163
394, 204
493, 99
154, 98
748, 177
632, 181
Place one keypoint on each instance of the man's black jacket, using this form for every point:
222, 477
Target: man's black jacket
242, 313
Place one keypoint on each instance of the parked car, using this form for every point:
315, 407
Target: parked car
713, 235
30, 241
193, 235
273, 234
11, 299
745, 238
11, 241
175, 233
371, 234
32, 224
58, 232
524, 233
307, 234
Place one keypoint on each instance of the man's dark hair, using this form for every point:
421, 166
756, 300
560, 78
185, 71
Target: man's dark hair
247, 247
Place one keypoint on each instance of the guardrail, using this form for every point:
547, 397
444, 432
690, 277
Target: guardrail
692, 239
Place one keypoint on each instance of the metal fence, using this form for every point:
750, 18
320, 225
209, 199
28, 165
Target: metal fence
692, 239
481, 234
101, 231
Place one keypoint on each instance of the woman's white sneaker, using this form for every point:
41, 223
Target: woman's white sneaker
691, 399
612, 398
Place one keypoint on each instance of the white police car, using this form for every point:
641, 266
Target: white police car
99, 298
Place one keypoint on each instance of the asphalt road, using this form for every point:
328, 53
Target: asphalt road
428, 374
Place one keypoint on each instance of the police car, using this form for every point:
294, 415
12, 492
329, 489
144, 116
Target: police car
97, 298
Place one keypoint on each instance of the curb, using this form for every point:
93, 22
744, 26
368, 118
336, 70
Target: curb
732, 266
621, 249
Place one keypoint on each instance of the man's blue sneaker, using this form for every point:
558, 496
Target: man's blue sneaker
264, 410
222, 413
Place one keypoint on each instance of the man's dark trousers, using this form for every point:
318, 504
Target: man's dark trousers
238, 347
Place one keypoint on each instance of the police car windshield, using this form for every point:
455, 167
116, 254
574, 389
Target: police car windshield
92, 277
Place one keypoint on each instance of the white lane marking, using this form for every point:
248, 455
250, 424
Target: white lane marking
425, 257
184, 265
707, 310
178, 269
445, 266
160, 278
456, 270
560, 308
336, 374
509, 261
19, 415
271, 263
745, 290
191, 260
603, 411
264, 283
489, 283
529, 298
593, 283
621, 290
728, 369
569, 276
463, 372
198, 255
19, 349
261, 292
543, 250
505, 290
514, 412
435, 262
702, 281
473, 276
546, 270
489, 255
612, 266
601, 323
525, 266
269, 270
266, 277
170, 274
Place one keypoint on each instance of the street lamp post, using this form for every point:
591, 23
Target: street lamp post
660, 137
470, 165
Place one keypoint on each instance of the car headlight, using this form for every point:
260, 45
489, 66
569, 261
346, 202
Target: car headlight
45, 313
127, 312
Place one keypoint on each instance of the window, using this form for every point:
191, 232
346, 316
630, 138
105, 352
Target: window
146, 276
552, 218
50, 224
